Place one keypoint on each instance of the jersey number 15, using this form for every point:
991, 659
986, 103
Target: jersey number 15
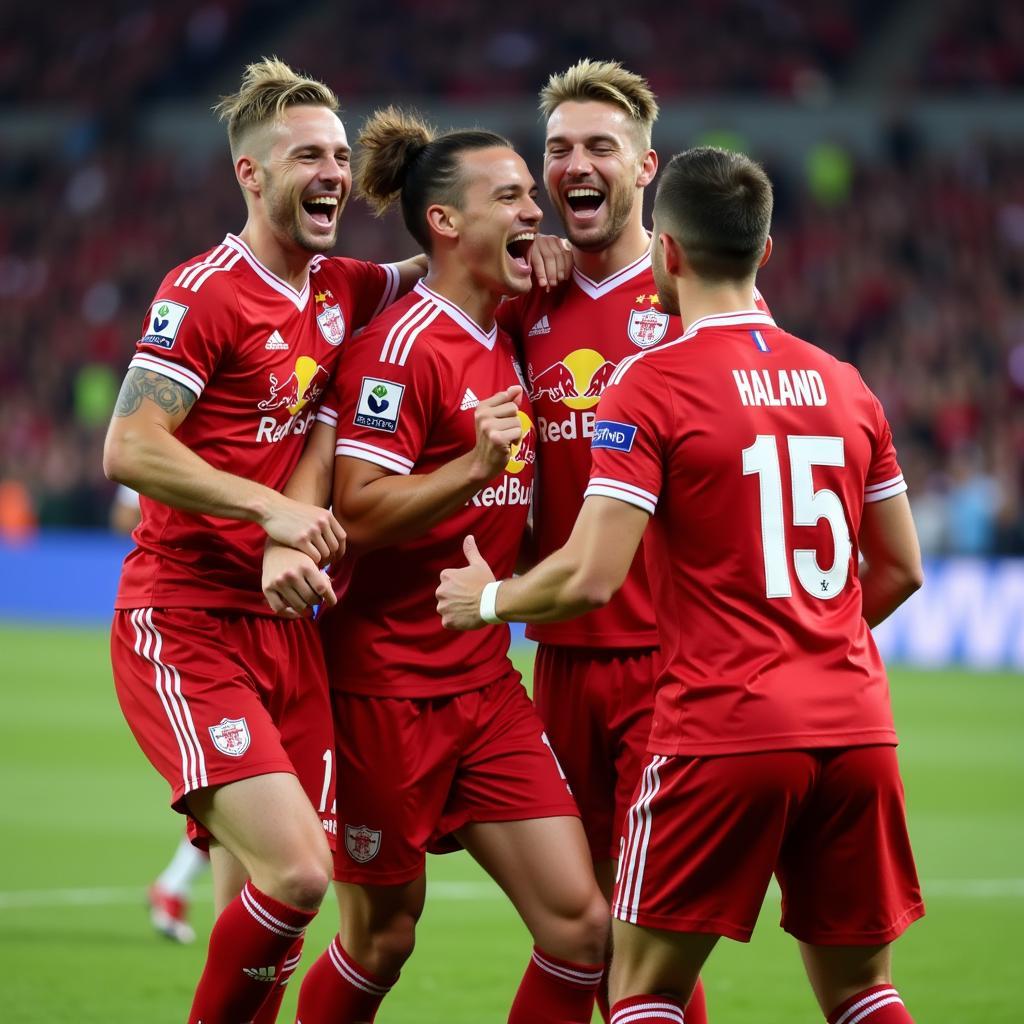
809, 507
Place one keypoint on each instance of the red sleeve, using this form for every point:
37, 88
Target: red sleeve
385, 409
371, 287
627, 451
885, 478
185, 332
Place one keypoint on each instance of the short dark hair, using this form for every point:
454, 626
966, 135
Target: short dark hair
718, 206
400, 156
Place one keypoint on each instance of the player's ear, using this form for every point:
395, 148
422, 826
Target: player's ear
648, 169
767, 252
674, 256
249, 175
443, 220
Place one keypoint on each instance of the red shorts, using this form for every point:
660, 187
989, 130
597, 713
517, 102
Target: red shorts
596, 706
412, 771
705, 834
214, 697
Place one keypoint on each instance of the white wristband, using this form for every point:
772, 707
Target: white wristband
488, 599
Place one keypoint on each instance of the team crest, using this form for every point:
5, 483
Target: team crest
362, 843
647, 327
231, 737
330, 318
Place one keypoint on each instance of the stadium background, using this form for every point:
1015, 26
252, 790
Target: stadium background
894, 133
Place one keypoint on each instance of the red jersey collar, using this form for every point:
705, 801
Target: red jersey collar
268, 276
597, 289
463, 319
740, 318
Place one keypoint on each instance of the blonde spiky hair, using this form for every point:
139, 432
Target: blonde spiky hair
605, 81
268, 88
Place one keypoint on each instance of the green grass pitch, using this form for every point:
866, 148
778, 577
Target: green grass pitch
86, 826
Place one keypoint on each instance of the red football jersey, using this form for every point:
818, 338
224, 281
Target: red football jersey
755, 452
572, 338
405, 400
258, 355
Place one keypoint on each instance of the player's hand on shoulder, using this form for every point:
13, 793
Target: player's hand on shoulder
308, 528
293, 583
497, 428
458, 596
550, 260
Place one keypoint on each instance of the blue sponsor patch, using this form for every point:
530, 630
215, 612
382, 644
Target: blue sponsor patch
611, 434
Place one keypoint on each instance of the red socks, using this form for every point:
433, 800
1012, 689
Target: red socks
555, 991
880, 1004
647, 1010
268, 1011
696, 1008
336, 990
249, 944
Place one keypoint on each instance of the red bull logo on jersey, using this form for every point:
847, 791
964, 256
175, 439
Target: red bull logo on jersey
524, 452
306, 383
329, 317
577, 382
511, 490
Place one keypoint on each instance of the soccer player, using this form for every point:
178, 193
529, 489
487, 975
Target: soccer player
768, 467
438, 743
593, 679
228, 702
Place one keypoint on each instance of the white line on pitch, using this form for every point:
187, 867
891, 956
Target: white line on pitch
964, 888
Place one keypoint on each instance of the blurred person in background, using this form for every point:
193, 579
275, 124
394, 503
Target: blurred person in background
229, 703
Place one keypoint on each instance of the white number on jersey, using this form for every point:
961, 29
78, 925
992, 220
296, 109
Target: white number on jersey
809, 507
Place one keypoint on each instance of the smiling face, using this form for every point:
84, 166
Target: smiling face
594, 171
304, 177
496, 219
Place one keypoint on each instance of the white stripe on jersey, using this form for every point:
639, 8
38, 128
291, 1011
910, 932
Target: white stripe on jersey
167, 682
602, 485
327, 415
412, 314
205, 276
181, 374
640, 820
412, 335
886, 489
371, 453
213, 260
390, 288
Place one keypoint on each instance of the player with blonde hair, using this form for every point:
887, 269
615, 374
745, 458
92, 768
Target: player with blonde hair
228, 702
593, 676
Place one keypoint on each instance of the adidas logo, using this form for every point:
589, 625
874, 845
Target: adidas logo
469, 400
260, 973
275, 343
540, 327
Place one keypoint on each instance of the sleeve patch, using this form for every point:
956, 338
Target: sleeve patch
379, 404
165, 319
614, 435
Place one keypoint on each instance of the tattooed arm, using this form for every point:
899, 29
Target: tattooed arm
142, 452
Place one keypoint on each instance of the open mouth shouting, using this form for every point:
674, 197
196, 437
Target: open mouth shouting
518, 248
322, 209
584, 202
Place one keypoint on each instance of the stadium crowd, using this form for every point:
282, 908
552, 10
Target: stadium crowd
933, 318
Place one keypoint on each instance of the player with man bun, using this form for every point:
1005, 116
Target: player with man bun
438, 743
